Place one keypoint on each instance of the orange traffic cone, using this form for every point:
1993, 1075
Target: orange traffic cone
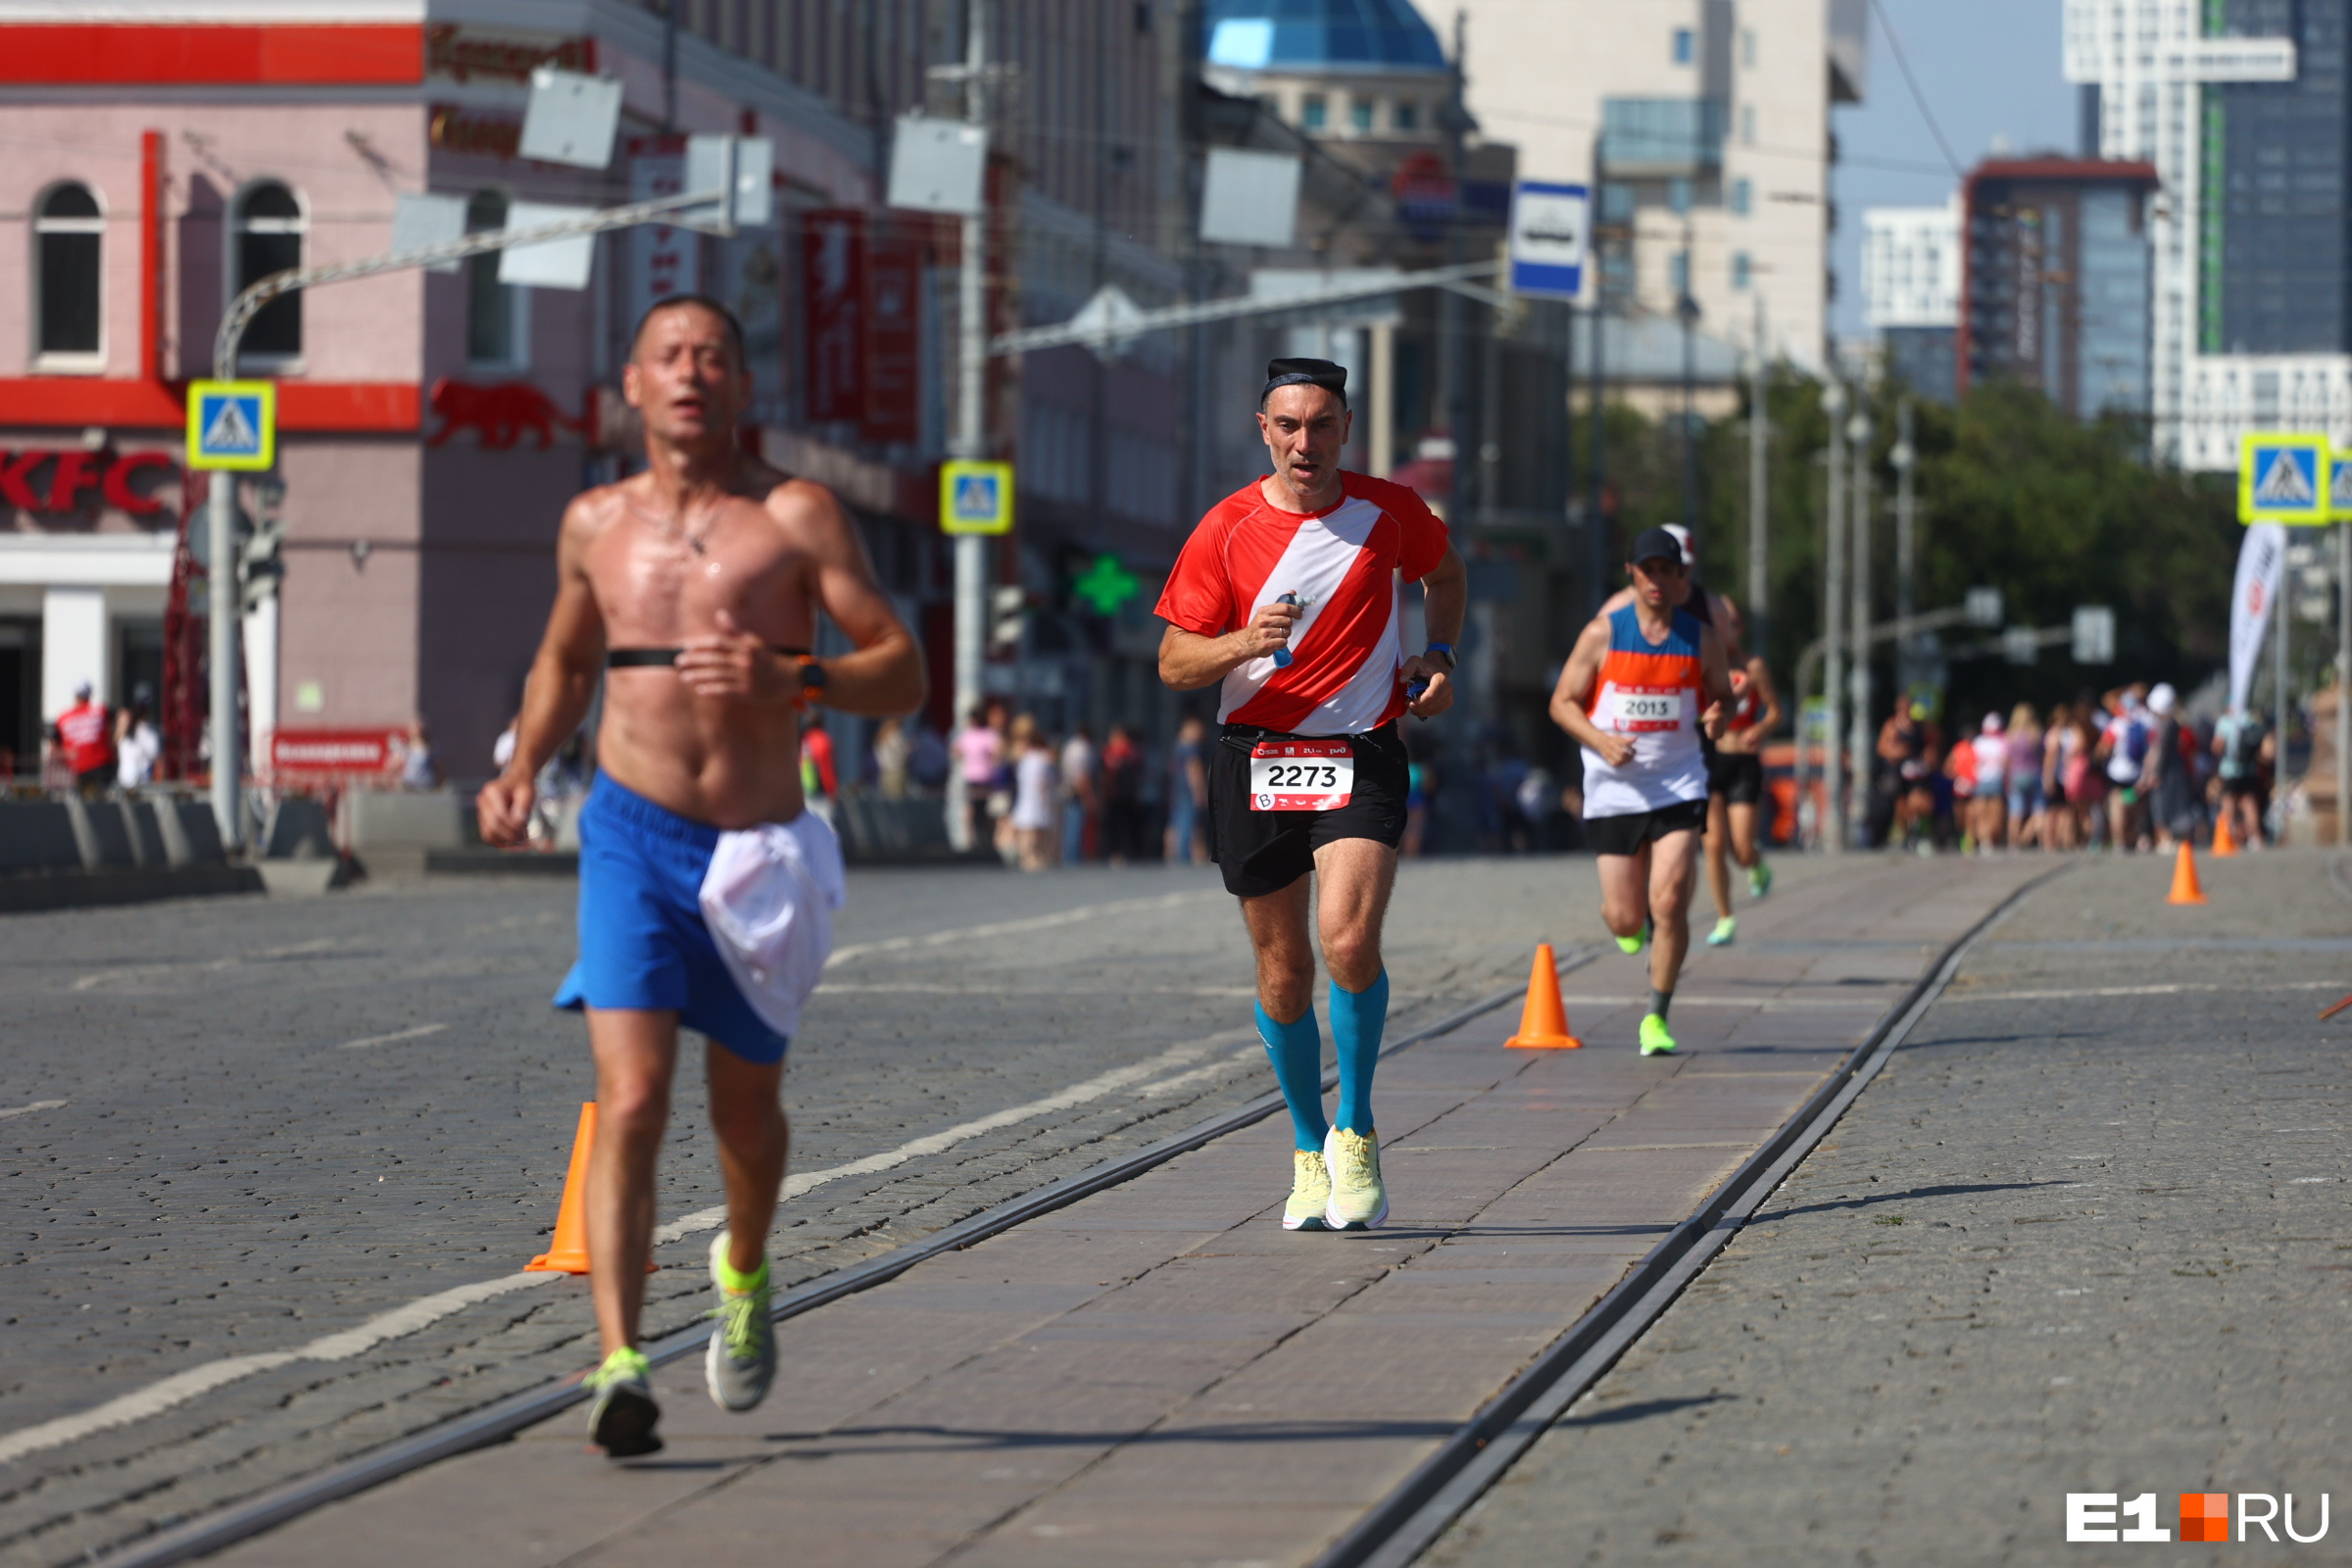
2224, 841
1543, 1022
570, 1252
2185, 878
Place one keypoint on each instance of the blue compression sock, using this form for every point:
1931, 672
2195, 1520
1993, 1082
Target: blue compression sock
1296, 1048
1357, 1019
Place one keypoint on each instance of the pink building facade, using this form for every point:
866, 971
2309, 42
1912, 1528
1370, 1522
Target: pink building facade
432, 424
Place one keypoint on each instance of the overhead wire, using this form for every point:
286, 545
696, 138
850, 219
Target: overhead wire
1894, 45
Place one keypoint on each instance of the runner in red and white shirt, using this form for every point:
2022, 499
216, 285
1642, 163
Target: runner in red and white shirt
1285, 598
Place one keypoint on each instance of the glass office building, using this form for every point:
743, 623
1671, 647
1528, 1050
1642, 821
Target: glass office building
2056, 288
2273, 275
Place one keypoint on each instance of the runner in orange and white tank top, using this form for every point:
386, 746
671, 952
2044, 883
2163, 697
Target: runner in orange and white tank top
1641, 688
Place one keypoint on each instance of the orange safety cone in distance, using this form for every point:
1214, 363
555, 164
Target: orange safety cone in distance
2185, 878
569, 1253
2223, 841
1544, 1021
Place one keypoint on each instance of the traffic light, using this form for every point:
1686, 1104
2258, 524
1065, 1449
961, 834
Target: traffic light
259, 566
2094, 634
1007, 615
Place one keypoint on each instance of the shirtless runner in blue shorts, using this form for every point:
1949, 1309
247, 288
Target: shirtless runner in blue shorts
696, 584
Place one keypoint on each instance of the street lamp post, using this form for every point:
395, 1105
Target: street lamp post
1759, 437
1832, 405
1686, 309
1905, 458
1859, 432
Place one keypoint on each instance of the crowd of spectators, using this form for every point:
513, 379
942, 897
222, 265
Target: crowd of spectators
2127, 770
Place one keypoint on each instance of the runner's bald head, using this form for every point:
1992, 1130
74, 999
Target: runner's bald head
693, 302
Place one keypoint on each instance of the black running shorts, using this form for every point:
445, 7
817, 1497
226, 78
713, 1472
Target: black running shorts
1624, 835
1736, 776
1266, 851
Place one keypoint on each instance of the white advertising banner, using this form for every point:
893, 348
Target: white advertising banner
2261, 562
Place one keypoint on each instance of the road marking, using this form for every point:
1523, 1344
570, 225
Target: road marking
1078, 1094
156, 971
181, 1387
26, 1110
2131, 990
1185, 1080
1005, 928
1766, 1004
925, 987
418, 1033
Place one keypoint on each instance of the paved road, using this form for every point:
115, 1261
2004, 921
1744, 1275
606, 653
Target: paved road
1074, 1391
282, 1120
2089, 1230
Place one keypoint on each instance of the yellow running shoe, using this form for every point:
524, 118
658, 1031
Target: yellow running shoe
1359, 1200
1655, 1040
1310, 1191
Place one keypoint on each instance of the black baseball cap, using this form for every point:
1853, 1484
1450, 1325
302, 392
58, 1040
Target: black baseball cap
1331, 377
1652, 543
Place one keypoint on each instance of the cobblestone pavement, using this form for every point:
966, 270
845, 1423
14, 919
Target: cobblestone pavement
243, 1128
2089, 1230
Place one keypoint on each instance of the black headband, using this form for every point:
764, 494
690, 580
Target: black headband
1332, 378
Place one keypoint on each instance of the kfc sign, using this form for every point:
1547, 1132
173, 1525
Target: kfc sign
54, 481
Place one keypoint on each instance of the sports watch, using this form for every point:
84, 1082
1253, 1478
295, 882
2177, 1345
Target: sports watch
1446, 649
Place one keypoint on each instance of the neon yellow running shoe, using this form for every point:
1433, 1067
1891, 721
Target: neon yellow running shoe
1310, 1191
1725, 929
1759, 878
1359, 1199
1655, 1040
1634, 944
622, 1420
741, 1360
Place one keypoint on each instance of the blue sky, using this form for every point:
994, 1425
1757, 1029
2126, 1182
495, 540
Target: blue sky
1987, 68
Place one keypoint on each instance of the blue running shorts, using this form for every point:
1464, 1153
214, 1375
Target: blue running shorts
644, 944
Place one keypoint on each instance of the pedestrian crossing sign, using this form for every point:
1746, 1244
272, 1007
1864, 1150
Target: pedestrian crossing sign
2285, 479
232, 424
2339, 488
975, 497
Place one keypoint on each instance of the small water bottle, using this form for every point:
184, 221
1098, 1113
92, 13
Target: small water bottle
1281, 656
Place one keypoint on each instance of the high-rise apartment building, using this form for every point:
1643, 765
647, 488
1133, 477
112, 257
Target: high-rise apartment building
2054, 290
1911, 293
1708, 122
2241, 107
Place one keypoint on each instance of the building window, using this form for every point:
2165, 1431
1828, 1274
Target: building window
1685, 46
267, 230
1747, 48
1617, 204
1739, 270
68, 231
1408, 117
494, 311
1742, 194
1678, 273
1359, 115
1747, 124
1677, 195
1314, 110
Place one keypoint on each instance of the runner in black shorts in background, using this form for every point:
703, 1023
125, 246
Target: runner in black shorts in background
1285, 598
1736, 797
